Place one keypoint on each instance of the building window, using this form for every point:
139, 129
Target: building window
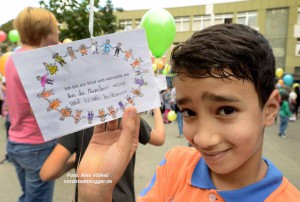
126, 25
277, 35
137, 23
182, 24
201, 22
247, 18
223, 18
298, 16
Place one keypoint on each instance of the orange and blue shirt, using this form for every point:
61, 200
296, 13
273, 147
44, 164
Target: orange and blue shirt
184, 176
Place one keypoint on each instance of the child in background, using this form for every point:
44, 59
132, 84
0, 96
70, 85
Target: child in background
225, 80
284, 114
167, 104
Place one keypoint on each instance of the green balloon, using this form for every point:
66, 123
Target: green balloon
13, 36
160, 30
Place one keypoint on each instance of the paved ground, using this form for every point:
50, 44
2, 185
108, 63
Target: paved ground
284, 153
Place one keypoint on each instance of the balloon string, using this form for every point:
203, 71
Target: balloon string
157, 69
91, 19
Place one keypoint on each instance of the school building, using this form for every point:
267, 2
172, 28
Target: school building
277, 20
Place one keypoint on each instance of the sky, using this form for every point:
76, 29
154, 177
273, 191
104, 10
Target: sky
11, 8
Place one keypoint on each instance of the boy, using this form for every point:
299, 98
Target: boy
225, 78
70, 148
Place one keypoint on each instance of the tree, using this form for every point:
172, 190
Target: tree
74, 17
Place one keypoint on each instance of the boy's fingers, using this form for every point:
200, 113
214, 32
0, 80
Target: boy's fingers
99, 128
112, 125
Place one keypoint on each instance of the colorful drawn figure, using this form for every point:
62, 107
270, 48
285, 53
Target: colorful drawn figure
121, 105
53, 105
139, 72
128, 54
112, 112
137, 92
94, 47
52, 69
118, 49
45, 94
83, 50
59, 59
140, 81
136, 62
71, 53
44, 80
106, 47
90, 116
77, 117
130, 100
65, 112
102, 115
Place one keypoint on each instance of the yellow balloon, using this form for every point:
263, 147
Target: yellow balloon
167, 68
154, 67
296, 84
172, 116
67, 40
279, 72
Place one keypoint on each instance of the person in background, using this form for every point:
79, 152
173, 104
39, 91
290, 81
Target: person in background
297, 91
26, 147
178, 114
1, 95
167, 105
284, 114
5, 114
71, 148
292, 106
173, 98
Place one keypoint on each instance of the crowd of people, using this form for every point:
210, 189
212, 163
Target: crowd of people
224, 125
289, 106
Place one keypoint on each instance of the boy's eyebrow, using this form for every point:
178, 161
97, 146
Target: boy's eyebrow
219, 98
210, 97
183, 101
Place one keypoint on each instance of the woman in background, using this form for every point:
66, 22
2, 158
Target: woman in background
26, 147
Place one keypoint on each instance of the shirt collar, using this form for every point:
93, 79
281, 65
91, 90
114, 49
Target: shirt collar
255, 192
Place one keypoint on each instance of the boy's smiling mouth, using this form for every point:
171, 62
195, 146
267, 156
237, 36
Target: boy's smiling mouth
214, 155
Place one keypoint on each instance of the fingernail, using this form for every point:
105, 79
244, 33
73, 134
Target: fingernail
132, 113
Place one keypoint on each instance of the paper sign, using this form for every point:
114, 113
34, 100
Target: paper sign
80, 84
161, 82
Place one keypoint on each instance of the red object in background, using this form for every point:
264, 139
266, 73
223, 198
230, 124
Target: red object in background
2, 36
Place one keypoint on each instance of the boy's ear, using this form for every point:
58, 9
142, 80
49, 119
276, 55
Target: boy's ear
271, 108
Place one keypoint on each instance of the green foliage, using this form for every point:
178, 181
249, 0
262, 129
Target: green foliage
7, 26
73, 15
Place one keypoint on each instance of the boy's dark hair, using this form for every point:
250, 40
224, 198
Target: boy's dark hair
226, 51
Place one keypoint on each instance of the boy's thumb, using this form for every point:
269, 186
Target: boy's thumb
129, 129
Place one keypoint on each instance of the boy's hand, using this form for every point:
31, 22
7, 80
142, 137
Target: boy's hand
107, 157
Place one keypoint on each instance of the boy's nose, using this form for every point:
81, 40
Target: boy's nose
206, 136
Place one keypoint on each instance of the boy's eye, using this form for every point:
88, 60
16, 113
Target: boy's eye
225, 111
187, 113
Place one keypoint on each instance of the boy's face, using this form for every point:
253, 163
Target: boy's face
224, 121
